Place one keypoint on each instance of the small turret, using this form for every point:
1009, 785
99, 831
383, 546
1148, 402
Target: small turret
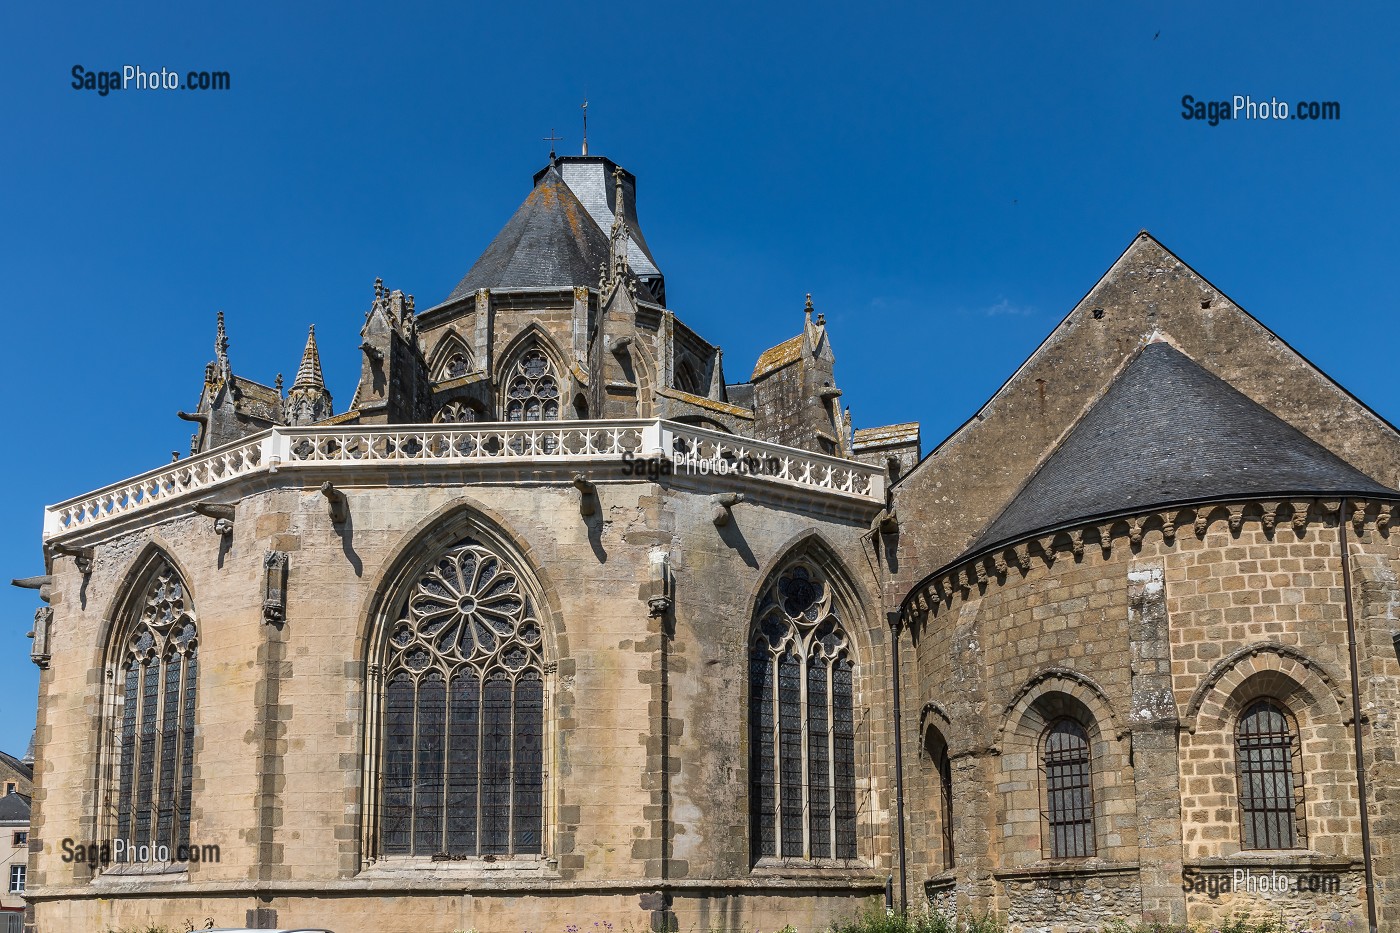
230, 407
308, 401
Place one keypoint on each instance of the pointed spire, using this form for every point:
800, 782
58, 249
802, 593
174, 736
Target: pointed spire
221, 349
309, 374
308, 401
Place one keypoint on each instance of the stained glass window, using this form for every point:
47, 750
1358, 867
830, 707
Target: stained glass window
801, 723
532, 391
1069, 791
464, 713
155, 723
1270, 799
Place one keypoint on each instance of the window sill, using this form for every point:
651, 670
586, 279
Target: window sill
425, 866
1273, 858
137, 872
810, 868
1066, 867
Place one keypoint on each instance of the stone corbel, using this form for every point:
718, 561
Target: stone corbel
336, 502
275, 587
723, 507
221, 514
1383, 518
82, 556
588, 495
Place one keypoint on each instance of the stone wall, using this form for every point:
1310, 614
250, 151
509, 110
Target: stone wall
646, 787
1156, 647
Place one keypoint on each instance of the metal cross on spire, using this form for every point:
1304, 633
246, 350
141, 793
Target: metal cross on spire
585, 126
552, 139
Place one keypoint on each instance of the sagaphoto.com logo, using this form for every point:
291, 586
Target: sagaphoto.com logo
1244, 107
134, 77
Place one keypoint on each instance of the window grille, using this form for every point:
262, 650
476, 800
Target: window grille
1269, 797
155, 728
1069, 791
464, 713
945, 787
801, 723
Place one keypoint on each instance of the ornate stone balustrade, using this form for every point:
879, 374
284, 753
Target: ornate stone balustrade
565, 443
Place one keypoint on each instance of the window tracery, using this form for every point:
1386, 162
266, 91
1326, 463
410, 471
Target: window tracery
532, 392
456, 412
157, 691
464, 712
801, 722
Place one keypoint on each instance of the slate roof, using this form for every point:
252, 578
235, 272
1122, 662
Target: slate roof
550, 241
1167, 432
18, 765
14, 808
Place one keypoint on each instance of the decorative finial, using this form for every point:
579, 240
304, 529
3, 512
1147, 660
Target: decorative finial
808, 310
221, 348
585, 126
552, 139
378, 289
278, 384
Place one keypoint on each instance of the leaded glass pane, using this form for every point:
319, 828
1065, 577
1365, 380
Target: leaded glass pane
130, 702
462, 777
763, 811
529, 764
496, 770
428, 765
398, 765
819, 758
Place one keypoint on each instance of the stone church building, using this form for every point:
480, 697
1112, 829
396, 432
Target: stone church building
556, 622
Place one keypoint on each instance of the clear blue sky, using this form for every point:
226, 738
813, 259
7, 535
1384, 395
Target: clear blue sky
947, 180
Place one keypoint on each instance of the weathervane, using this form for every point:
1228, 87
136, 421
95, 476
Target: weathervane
585, 126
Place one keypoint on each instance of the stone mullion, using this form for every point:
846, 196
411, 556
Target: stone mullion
804, 723
833, 830
776, 737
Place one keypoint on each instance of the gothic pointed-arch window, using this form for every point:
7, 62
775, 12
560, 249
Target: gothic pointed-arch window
463, 723
452, 359
532, 389
1069, 790
802, 800
1270, 779
157, 674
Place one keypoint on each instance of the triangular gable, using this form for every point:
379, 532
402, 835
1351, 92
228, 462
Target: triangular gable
973, 475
